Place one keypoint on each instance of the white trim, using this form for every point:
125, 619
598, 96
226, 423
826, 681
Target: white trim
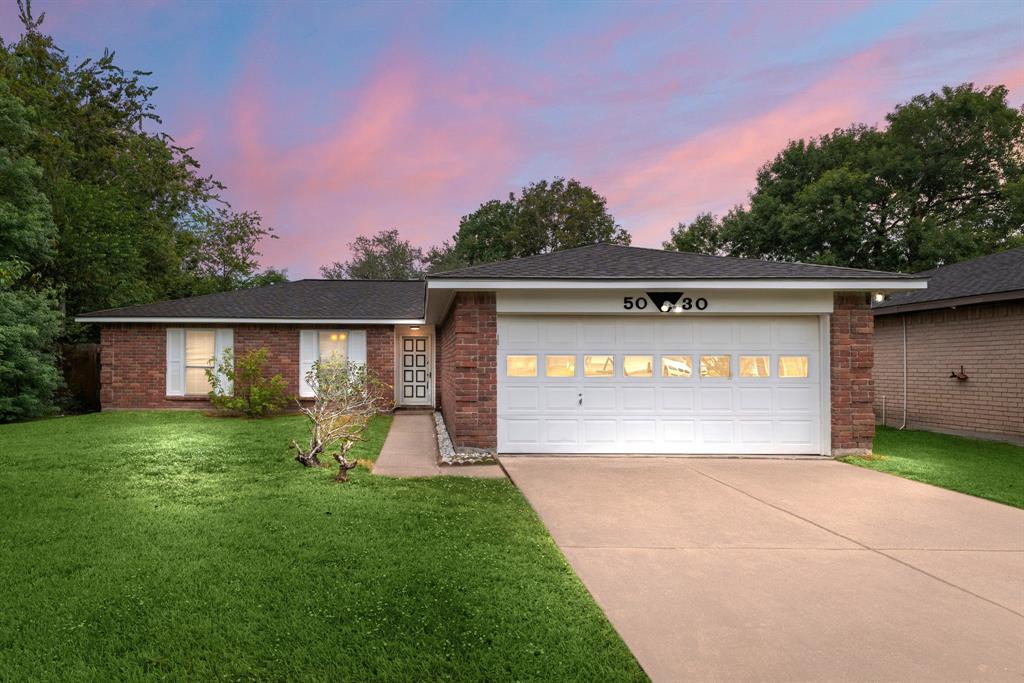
240, 321
430, 332
845, 285
825, 338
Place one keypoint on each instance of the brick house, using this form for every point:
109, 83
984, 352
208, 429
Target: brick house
951, 358
599, 349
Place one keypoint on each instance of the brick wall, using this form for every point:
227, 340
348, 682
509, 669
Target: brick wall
987, 339
467, 355
851, 335
133, 360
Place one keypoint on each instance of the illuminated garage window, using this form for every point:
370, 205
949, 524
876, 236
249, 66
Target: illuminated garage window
755, 366
638, 366
676, 366
561, 366
599, 366
521, 366
793, 366
715, 366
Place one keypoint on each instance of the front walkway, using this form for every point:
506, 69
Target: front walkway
410, 450
788, 570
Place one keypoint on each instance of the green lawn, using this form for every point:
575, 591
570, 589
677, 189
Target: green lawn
179, 546
987, 469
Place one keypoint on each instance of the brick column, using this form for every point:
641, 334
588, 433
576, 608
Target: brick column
467, 369
852, 357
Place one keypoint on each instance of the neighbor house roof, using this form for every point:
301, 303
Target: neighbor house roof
996, 277
302, 300
615, 262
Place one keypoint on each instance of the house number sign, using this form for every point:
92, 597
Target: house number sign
666, 302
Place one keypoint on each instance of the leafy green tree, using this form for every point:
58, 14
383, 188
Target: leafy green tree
703, 236
546, 216
29, 318
943, 182
384, 256
131, 209
221, 250
442, 257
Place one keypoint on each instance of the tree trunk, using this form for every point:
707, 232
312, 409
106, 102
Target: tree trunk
343, 467
310, 459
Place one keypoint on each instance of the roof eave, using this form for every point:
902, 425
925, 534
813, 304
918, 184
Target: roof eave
832, 284
952, 302
194, 320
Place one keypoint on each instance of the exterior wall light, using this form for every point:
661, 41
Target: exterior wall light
665, 306
414, 328
879, 297
677, 309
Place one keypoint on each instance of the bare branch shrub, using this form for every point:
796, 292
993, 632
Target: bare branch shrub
346, 396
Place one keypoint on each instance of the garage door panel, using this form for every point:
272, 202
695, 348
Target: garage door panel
716, 431
635, 398
796, 399
756, 432
521, 331
557, 431
795, 432
679, 432
715, 332
561, 397
639, 431
758, 400
600, 431
755, 333
676, 398
715, 399
635, 333
768, 413
674, 334
794, 332
559, 334
522, 432
598, 398
523, 398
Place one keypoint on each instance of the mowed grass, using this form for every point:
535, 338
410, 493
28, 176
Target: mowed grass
177, 546
986, 469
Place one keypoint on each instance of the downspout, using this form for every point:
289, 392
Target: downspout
903, 426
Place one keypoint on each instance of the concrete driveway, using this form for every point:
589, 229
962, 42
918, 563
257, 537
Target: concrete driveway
784, 570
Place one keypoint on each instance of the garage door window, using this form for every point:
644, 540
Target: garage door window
561, 366
793, 366
755, 366
638, 366
599, 366
521, 366
715, 366
676, 366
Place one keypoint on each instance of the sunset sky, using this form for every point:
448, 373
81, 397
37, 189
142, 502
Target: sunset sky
335, 120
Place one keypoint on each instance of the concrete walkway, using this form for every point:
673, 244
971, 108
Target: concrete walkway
410, 450
786, 570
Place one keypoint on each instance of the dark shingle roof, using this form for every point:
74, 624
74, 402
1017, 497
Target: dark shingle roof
609, 261
998, 273
303, 299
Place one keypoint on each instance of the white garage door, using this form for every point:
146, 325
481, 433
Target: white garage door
659, 385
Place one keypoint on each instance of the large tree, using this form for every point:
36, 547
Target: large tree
546, 216
942, 182
29, 318
384, 256
133, 214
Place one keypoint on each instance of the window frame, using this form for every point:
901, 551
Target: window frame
184, 359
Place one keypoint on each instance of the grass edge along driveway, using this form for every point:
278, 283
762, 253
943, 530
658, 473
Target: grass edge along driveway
179, 546
987, 469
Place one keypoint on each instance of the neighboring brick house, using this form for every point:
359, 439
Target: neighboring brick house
964, 358
599, 349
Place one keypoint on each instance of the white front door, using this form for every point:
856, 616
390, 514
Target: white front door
414, 372
745, 385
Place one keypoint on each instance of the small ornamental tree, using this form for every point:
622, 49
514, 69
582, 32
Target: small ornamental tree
346, 396
238, 385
